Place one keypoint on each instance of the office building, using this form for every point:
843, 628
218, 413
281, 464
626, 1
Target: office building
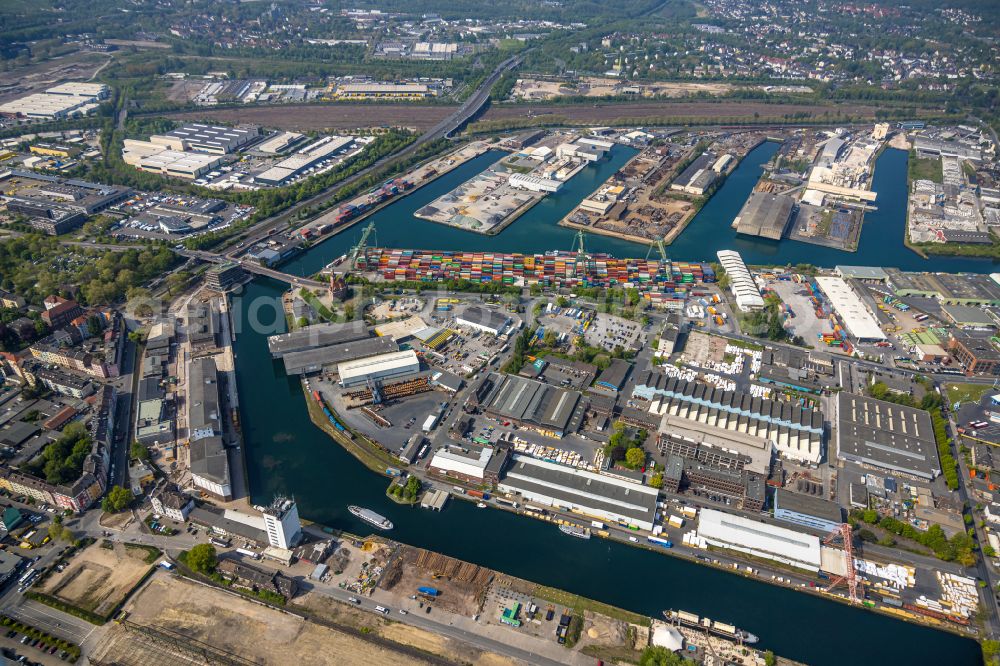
169, 501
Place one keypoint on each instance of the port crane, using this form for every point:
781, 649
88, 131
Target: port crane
359, 253
580, 264
845, 535
658, 244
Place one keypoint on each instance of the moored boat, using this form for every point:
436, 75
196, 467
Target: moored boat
369, 516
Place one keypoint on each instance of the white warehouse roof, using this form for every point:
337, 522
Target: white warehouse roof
374, 365
467, 464
750, 536
740, 281
859, 322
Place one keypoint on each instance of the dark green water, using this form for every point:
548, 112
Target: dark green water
287, 454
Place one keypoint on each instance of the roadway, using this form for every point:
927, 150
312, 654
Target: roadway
254, 268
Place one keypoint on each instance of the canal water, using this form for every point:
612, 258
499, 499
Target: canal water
287, 454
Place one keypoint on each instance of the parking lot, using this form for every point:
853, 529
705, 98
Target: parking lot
803, 321
610, 331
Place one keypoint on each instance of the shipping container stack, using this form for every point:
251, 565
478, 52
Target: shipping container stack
670, 282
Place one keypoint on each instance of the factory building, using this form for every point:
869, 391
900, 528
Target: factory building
886, 436
766, 215
599, 496
483, 319
807, 511
949, 288
735, 420
741, 282
851, 310
613, 377
760, 539
383, 366
552, 411
310, 361
523, 181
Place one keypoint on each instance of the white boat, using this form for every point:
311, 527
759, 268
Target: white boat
369, 516
481, 505
575, 531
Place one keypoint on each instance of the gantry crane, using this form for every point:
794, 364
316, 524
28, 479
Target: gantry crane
845, 535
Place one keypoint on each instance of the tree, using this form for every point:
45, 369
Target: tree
656, 481
117, 499
770, 659
202, 558
139, 451
661, 656
635, 457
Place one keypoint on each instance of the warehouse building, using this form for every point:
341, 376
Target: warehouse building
383, 366
967, 316
61, 101
279, 143
807, 511
204, 412
851, 310
576, 490
613, 377
306, 158
465, 464
210, 467
766, 215
483, 319
318, 335
212, 139
531, 183
311, 361
741, 282
949, 288
863, 274
157, 158
760, 539
698, 176
552, 411
886, 436
732, 419
383, 91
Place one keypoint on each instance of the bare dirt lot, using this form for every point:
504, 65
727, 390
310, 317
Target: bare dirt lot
599, 113
462, 585
204, 615
306, 117
98, 578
